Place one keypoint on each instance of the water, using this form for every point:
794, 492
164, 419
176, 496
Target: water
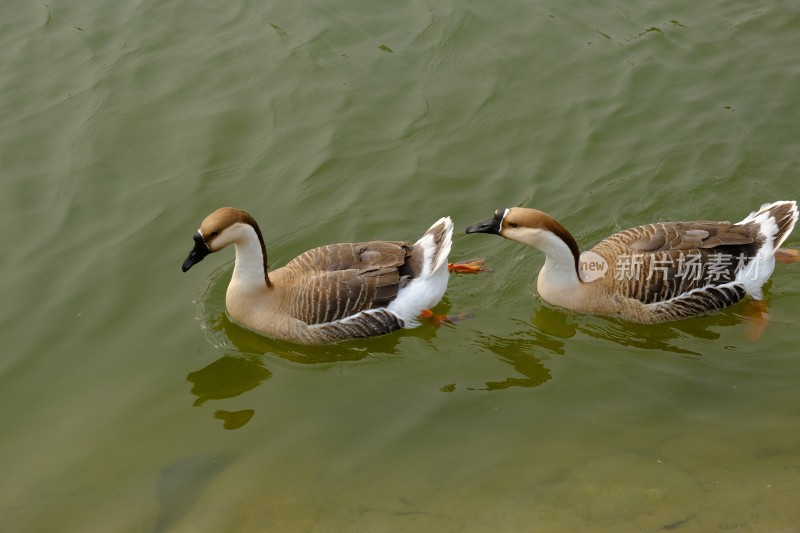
128, 402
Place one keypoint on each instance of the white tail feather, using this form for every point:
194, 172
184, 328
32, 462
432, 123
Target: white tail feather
759, 269
425, 291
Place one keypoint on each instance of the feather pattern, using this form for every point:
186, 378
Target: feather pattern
657, 262
331, 293
343, 279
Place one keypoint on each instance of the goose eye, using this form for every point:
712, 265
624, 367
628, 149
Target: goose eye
214, 234
512, 224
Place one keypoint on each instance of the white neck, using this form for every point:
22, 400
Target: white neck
248, 271
558, 278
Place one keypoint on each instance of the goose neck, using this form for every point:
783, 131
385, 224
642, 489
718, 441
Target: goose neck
250, 268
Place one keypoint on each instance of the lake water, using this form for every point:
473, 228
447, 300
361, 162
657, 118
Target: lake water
128, 401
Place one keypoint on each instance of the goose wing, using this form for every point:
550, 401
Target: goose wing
697, 302
334, 282
664, 261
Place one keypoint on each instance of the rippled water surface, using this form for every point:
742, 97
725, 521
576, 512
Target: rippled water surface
128, 400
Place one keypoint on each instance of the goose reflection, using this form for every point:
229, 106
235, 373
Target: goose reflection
243, 366
519, 353
227, 334
228, 377
528, 348
670, 337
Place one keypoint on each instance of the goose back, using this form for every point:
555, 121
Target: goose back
333, 282
658, 262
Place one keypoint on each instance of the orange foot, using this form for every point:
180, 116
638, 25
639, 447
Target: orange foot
473, 266
787, 255
757, 317
438, 320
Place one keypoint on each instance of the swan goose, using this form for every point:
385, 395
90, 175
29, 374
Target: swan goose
656, 272
331, 293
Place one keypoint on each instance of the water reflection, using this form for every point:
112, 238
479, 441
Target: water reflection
243, 367
666, 337
516, 352
519, 350
234, 419
227, 334
227, 377
526, 350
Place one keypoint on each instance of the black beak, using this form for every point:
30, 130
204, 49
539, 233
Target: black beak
197, 254
489, 226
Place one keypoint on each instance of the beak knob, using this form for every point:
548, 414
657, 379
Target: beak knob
492, 225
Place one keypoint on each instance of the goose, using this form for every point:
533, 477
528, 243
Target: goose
656, 272
331, 293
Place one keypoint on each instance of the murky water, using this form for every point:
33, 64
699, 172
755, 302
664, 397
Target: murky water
129, 402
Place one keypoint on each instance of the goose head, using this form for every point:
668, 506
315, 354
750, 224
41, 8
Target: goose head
224, 226
532, 227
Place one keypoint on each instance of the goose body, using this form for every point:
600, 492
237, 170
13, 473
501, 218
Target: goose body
331, 293
655, 272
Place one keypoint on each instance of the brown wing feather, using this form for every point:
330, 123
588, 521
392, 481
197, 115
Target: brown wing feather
339, 280
658, 262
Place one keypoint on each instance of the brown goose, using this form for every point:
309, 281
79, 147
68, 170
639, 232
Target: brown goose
656, 272
331, 293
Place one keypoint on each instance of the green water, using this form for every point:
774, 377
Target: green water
128, 402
